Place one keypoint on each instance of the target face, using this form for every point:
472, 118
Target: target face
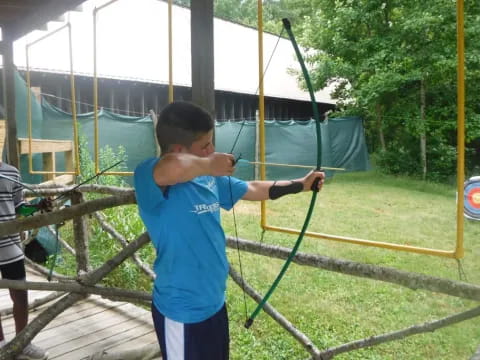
472, 198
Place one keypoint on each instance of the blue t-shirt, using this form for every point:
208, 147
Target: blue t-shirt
184, 225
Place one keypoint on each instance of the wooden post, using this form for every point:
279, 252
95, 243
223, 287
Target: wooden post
155, 102
79, 100
37, 93
127, 101
48, 165
69, 160
203, 91
112, 99
59, 96
9, 93
80, 233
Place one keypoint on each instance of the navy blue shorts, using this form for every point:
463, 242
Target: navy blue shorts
206, 340
13, 271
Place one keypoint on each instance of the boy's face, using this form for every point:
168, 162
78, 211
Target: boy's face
203, 146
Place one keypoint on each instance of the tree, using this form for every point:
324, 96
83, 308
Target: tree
393, 61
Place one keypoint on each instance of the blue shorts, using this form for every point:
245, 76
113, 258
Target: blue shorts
206, 340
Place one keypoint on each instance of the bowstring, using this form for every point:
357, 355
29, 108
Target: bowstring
258, 87
230, 182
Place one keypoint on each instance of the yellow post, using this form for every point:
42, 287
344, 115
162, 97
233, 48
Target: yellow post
29, 112
95, 85
459, 251
95, 93
170, 53
261, 107
74, 104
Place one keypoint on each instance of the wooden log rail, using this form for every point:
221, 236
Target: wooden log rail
70, 290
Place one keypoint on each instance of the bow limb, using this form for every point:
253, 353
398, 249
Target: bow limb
287, 263
88, 180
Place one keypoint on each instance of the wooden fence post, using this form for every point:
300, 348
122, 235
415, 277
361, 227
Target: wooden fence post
80, 234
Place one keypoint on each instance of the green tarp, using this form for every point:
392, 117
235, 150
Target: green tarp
287, 142
292, 142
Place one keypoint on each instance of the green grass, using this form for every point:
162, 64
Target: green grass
333, 308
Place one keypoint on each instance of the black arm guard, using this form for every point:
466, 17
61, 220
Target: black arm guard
277, 191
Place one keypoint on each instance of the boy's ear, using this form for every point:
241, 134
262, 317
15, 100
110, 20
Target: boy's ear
176, 148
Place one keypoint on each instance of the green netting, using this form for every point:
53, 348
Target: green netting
287, 142
22, 127
225, 136
135, 134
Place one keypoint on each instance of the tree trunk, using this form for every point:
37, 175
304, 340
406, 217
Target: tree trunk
379, 113
423, 135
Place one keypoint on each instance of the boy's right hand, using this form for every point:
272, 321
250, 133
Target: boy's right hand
221, 164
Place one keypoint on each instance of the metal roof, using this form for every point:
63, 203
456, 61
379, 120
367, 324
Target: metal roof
23, 16
132, 44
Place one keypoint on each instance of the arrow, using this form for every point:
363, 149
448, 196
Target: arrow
244, 161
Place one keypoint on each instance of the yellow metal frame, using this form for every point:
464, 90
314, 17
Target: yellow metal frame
261, 107
95, 83
170, 52
458, 253
74, 109
95, 97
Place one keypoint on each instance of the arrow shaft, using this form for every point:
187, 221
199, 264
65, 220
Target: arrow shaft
294, 165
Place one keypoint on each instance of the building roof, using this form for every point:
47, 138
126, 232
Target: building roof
23, 16
132, 43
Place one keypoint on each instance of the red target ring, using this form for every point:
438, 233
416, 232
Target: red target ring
472, 198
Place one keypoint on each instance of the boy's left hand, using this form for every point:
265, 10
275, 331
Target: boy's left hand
310, 178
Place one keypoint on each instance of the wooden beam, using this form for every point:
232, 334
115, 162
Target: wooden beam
203, 91
44, 146
9, 99
47, 11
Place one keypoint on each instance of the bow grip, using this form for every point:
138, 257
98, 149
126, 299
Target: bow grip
314, 186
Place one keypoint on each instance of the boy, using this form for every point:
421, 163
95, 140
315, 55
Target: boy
12, 264
179, 197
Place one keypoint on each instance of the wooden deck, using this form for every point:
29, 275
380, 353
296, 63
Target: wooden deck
87, 327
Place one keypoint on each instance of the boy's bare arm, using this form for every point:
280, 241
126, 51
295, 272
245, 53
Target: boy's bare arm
175, 168
262, 190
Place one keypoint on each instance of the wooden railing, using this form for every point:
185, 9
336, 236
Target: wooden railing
73, 289
48, 149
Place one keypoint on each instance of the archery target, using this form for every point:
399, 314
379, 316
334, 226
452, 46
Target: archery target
472, 198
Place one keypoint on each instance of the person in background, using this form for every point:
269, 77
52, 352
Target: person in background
179, 197
12, 265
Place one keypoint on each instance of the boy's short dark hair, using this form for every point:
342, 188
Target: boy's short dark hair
181, 123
